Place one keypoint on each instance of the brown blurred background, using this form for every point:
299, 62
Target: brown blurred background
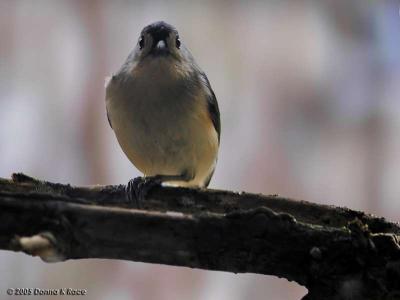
309, 93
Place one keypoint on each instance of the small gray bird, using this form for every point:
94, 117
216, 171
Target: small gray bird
163, 111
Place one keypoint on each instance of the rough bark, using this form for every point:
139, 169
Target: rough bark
337, 253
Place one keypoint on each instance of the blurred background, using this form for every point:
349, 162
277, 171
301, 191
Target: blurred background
309, 93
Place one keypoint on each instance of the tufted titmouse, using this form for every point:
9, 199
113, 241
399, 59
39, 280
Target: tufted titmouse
163, 111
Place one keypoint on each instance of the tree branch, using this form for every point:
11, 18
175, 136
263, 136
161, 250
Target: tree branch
334, 252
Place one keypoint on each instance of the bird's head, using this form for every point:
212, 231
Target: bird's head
160, 49
159, 40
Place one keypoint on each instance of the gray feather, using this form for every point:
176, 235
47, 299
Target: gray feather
108, 118
213, 108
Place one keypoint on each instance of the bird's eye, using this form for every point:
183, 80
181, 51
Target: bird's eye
141, 42
178, 42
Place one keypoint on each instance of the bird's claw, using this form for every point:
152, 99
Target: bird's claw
138, 188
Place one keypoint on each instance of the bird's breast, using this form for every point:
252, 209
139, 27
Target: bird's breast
162, 128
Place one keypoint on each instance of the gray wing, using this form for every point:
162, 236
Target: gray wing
112, 79
108, 118
213, 108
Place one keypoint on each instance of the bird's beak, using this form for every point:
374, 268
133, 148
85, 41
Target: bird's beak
161, 46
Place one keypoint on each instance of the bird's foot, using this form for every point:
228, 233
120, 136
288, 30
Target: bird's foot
138, 188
